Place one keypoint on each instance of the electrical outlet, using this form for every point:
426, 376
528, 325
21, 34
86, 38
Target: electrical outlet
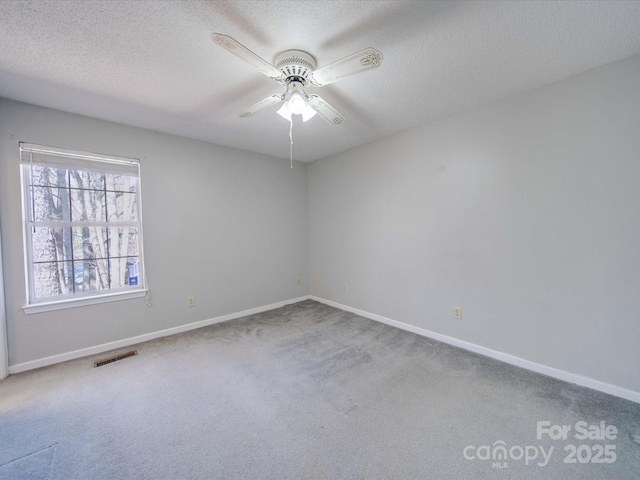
344, 287
191, 301
298, 281
457, 313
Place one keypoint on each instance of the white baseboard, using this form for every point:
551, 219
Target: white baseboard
487, 352
504, 357
105, 347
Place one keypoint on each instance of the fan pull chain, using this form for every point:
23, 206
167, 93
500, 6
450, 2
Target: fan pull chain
291, 138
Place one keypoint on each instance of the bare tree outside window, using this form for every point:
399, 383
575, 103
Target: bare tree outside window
83, 227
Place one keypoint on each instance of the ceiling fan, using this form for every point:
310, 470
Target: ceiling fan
296, 70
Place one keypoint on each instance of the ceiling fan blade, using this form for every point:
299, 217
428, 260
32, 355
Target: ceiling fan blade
326, 111
261, 105
349, 65
247, 55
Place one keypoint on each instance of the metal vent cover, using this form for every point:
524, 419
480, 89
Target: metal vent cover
115, 358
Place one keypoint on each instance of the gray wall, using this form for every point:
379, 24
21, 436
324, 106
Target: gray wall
227, 226
4, 366
525, 212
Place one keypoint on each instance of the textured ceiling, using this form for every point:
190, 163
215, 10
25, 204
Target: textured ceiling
152, 63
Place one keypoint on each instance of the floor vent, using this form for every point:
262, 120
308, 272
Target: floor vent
115, 359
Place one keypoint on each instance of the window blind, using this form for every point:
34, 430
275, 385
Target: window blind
31, 154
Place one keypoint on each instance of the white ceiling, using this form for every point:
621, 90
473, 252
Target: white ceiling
152, 63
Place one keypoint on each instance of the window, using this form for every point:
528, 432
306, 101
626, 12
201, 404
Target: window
82, 224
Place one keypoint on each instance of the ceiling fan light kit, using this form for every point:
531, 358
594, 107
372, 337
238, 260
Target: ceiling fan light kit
298, 103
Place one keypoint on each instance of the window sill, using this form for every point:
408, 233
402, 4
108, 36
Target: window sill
81, 302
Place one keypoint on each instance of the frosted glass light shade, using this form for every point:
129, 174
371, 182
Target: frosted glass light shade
297, 104
308, 113
285, 112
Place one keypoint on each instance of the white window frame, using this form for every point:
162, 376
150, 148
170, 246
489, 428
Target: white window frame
72, 159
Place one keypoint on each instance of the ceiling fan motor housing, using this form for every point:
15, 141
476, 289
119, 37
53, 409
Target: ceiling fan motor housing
295, 65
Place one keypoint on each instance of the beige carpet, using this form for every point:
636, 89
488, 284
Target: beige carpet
303, 392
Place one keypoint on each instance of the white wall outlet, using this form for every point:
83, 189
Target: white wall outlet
298, 281
457, 313
191, 301
344, 287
